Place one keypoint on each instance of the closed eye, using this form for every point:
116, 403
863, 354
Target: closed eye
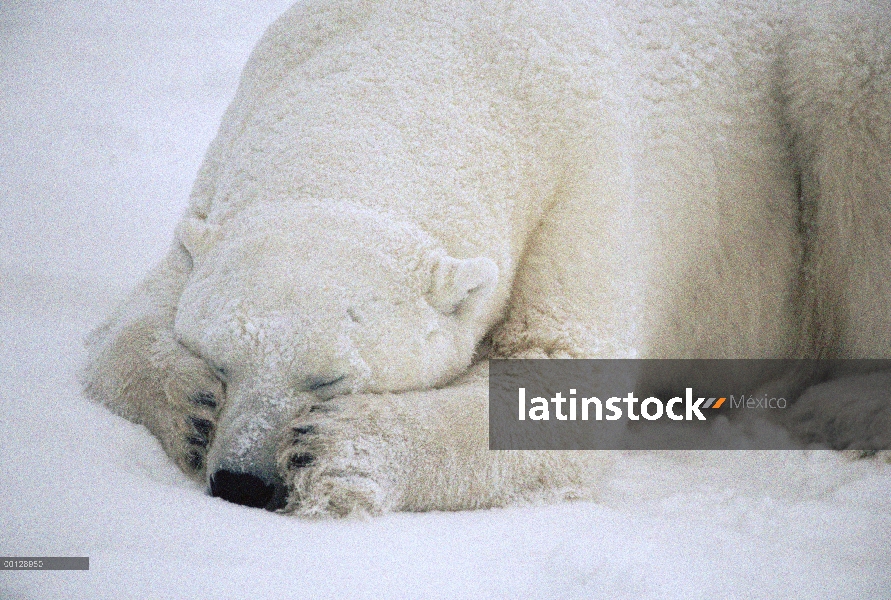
318, 384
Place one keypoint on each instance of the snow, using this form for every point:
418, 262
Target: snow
107, 108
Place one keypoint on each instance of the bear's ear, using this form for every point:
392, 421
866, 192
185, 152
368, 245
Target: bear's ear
195, 235
459, 286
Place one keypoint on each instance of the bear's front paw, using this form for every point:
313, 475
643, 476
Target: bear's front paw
338, 459
194, 398
195, 432
190, 430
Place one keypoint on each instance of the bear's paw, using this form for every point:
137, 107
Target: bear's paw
338, 460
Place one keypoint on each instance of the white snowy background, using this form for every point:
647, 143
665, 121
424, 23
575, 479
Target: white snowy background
106, 108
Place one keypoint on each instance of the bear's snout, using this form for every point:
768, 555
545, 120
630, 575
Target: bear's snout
246, 489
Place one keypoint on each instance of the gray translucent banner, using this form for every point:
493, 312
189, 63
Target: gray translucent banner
689, 404
44, 563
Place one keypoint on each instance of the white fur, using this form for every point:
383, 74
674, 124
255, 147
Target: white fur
396, 180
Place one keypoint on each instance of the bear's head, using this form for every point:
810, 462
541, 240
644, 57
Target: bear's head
293, 302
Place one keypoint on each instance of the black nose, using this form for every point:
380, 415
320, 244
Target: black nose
241, 488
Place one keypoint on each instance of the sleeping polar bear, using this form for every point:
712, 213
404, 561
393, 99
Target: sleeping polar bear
400, 189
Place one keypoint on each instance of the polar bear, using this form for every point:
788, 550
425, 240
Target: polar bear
400, 190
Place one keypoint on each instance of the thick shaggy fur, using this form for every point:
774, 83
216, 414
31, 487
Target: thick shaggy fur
397, 181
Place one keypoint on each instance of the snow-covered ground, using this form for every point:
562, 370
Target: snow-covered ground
106, 109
